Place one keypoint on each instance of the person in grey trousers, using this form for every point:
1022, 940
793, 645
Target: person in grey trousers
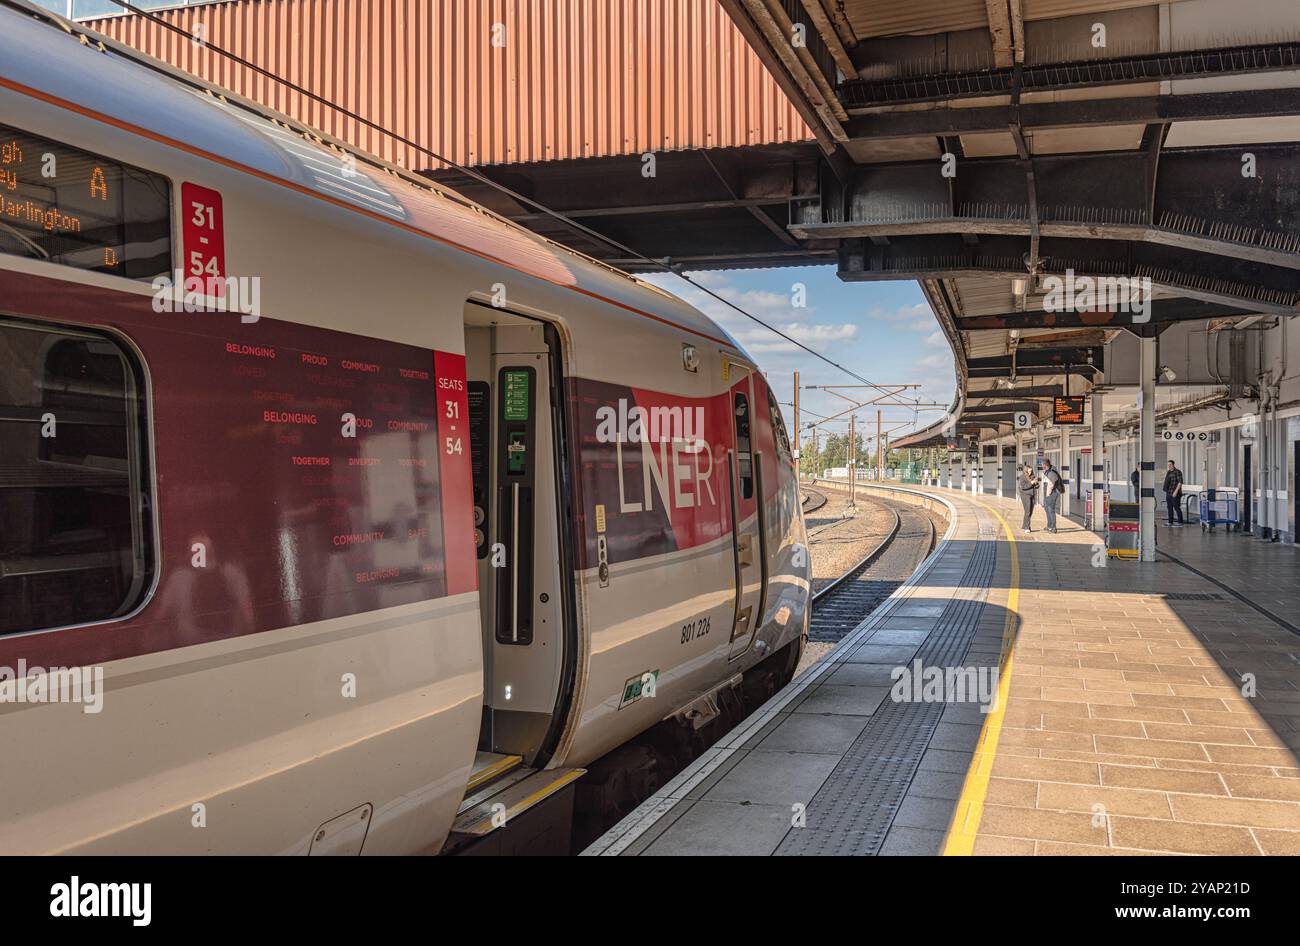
1028, 485
1054, 490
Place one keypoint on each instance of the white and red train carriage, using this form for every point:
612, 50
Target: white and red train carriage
416, 517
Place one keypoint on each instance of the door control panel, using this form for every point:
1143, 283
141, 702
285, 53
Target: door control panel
516, 435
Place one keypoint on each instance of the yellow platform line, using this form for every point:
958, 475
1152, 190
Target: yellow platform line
960, 840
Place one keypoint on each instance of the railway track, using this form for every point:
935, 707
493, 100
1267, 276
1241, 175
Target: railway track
813, 500
837, 609
844, 603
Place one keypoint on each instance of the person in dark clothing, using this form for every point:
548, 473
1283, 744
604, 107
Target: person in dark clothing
1055, 488
1136, 480
1028, 487
1173, 487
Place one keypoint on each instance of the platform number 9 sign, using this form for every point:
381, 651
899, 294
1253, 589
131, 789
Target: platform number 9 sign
1024, 420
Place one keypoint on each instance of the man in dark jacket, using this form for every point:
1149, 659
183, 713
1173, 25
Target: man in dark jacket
1173, 487
1055, 488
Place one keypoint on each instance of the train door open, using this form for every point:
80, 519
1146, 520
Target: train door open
516, 437
745, 471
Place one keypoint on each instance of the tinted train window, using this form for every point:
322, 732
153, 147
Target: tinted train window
744, 456
76, 533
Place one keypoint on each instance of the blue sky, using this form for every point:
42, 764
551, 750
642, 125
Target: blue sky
884, 331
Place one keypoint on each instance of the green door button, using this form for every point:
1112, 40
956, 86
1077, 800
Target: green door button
517, 453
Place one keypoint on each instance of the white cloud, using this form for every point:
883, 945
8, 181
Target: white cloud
937, 360
863, 345
775, 308
709, 277
911, 318
759, 340
754, 301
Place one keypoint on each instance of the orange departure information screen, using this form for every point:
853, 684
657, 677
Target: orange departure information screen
1067, 410
69, 206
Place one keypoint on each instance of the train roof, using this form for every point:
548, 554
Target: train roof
47, 57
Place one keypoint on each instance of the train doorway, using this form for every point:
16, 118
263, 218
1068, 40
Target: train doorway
745, 484
524, 556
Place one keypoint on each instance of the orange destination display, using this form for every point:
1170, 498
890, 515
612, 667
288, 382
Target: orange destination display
68, 206
1067, 410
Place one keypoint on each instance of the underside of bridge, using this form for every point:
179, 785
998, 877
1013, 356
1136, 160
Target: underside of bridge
988, 149
703, 209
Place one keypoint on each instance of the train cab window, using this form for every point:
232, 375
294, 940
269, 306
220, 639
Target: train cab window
744, 455
778, 429
76, 533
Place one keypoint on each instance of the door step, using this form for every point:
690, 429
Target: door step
515, 793
488, 767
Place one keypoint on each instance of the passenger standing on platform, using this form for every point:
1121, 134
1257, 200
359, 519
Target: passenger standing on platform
1028, 494
1055, 487
1135, 479
1173, 488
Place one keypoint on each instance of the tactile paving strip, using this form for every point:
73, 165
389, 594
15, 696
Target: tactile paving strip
854, 809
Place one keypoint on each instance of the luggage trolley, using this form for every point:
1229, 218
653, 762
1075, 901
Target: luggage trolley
1219, 507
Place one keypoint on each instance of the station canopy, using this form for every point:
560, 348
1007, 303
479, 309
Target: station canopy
1053, 172
1008, 155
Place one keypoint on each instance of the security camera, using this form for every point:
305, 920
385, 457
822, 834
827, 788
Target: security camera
1168, 373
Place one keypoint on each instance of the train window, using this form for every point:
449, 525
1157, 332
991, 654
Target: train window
68, 206
744, 456
778, 429
76, 534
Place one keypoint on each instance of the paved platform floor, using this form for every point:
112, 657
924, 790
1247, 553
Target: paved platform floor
1144, 710
1268, 573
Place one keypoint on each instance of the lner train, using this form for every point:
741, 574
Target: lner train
337, 514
